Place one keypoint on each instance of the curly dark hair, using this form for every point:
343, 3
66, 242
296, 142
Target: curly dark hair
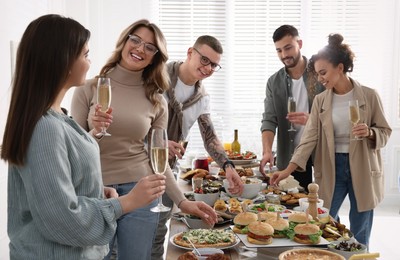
335, 52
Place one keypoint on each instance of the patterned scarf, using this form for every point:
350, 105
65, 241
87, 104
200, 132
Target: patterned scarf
175, 108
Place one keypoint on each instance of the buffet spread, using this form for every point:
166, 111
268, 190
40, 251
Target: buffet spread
262, 217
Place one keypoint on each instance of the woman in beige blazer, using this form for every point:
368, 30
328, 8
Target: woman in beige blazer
343, 166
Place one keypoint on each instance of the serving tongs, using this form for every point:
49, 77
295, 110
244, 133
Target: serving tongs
195, 249
180, 216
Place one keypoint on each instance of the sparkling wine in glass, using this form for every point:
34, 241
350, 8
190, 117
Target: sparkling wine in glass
291, 108
104, 99
354, 115
159, 159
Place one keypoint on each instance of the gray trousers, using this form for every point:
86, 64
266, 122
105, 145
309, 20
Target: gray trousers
162, 229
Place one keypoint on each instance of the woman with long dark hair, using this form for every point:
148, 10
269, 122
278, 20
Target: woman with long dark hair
57, 206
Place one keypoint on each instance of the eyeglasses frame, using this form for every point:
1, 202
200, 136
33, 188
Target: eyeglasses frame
214, 66
130, 36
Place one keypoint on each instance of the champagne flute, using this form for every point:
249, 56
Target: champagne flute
159, 159
184, 143
104, 99
354, 115
291, 108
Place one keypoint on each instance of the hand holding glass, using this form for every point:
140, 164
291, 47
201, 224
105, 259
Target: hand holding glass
291, 108
159, 159
354, 115
104, 99
184, 144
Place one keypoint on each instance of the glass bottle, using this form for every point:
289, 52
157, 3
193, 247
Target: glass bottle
235, 146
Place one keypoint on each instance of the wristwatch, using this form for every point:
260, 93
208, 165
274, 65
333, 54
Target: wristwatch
226, 163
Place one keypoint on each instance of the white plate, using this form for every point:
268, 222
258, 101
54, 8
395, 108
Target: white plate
207, 251
280, 242
257, 172
190, 248
225, 196
298, 208
286, 214
244, 161
185, 168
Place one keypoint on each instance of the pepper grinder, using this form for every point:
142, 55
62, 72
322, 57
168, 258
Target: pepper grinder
312, 200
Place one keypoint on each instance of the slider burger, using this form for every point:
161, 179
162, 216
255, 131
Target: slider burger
295, 219
280, 227
260, 233
242, 220
299, 218
307, 234
266, 215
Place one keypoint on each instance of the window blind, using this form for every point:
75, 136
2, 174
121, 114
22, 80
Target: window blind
245, 28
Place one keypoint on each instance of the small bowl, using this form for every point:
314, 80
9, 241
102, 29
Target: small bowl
213, 170
250, 190
303, 202
263, 186
208, 198
268, 207
346, 254
325, 214
205, 252
196, 222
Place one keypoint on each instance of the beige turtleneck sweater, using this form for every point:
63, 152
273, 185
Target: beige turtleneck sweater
124, 157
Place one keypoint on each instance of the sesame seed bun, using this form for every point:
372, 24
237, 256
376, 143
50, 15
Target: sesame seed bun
299, 217
278, 223
266, 215
306, 229
261, 228
245, 218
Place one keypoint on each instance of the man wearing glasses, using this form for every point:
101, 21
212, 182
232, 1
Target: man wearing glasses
188, 101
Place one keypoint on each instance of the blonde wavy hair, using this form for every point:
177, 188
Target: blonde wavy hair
155, 76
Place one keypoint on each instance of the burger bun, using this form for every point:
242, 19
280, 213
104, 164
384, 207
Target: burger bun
245, 218
278, 224
299, 217
306, 230
260, 233
259, 242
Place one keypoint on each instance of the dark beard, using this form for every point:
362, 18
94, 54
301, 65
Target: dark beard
295, 62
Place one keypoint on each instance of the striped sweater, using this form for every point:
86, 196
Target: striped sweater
56, 208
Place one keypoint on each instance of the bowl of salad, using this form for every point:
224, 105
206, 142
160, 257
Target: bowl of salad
260, 207
251, 187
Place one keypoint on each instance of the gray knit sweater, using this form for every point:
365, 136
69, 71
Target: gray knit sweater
56, 208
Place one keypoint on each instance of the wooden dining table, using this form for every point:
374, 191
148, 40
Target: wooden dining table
238, 252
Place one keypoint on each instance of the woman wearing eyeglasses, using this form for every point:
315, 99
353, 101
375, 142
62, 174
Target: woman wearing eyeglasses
138, 79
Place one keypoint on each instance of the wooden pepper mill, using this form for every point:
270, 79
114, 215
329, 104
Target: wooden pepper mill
312, 200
